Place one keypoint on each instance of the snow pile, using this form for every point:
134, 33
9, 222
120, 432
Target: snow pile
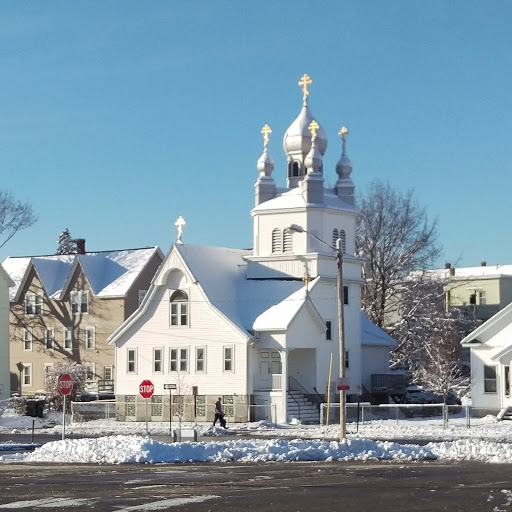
124, 449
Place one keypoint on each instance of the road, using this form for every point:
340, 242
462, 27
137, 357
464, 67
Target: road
282, 487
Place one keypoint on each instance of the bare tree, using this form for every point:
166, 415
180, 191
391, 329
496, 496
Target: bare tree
78, 373
395, 236
14, 216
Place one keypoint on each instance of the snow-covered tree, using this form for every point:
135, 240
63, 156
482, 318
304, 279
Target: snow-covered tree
65, 245
395, 236
78, 373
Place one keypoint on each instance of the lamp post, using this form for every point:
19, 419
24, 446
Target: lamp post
341, 338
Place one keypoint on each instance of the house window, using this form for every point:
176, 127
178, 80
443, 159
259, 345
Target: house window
26, 374
228, 359
287, 240
33, 304
179, 308
472, 299
347, 359
79, 302
345, 295
27, 340
89, 367
49, 338
490, 385
157, 360
328, 330
108, 373
131, 366
178, 360
142, 294
276, 240
482, 298
90, 338
507, 380
48, 367
68, 339
200, 359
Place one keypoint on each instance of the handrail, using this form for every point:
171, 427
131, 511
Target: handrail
295, 385
295, 400
320, 397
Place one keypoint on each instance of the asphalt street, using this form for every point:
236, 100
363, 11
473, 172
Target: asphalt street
283, 487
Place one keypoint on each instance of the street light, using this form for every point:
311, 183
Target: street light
341, 339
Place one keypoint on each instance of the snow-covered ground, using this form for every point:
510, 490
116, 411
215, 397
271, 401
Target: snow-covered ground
486, 440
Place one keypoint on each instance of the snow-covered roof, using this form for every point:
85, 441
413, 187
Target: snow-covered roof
293, 198
374, 335
109, 273
221, 272
489, 328
481, 272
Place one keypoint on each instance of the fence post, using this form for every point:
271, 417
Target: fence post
321, 414
396, 414
362, 414
468, 416
445, 416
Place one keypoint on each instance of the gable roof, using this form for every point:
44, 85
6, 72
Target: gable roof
109, 273
6, 277
372, 335
495, 324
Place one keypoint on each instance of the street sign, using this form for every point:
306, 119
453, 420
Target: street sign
169, 386
342, 384
146, 389
65, 384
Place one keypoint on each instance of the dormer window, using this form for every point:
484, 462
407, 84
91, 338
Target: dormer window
79, 302
33, 304
179, 308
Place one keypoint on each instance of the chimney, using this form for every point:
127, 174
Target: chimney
80, 245
483, 263
447, 266
452, 271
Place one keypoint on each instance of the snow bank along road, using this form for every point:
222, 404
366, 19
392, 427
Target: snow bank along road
287, 487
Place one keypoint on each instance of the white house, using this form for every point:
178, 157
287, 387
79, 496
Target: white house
258, 327
490, 347
5, 377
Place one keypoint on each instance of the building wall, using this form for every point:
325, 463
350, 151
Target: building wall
105, 315
206, 329
375, 360
4, 340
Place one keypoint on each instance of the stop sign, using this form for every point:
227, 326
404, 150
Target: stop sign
146, 389
65, 384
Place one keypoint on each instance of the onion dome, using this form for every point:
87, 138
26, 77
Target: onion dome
297, 139
265, 164
344, 165
313, 160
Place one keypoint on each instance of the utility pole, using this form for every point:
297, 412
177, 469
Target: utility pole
339, 275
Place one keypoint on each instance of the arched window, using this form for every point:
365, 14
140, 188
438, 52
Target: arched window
287, 240
343, 240
293, 168
276, 240
179, 308
335, 237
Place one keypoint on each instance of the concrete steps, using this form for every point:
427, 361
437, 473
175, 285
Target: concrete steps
299, 407
505, 414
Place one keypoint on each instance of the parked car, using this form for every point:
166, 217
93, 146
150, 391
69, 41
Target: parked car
417, 395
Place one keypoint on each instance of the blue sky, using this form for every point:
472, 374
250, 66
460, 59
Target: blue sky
117, 117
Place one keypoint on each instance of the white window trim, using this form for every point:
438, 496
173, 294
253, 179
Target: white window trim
179, 313
28, 339
46, 369
204, 360
88, 329
92, 366
161, 360
35, 303
52, 330
65, 330
111, 368
495, 379
135, 359
179, 360
29, 366
232, 347
78, 294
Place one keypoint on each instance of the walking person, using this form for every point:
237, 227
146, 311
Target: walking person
219, 414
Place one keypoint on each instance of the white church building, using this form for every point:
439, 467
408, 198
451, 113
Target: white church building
258, 327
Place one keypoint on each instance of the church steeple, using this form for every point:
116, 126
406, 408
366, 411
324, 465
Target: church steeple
265, 188
297, 139
313, 183
344, 187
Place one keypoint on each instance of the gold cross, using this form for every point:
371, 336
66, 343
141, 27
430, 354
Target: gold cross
343, 132
265, 131
304, 82
306, 280
313, 127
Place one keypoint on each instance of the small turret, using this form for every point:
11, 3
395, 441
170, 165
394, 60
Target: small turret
344, 187
313, 183
265, 188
